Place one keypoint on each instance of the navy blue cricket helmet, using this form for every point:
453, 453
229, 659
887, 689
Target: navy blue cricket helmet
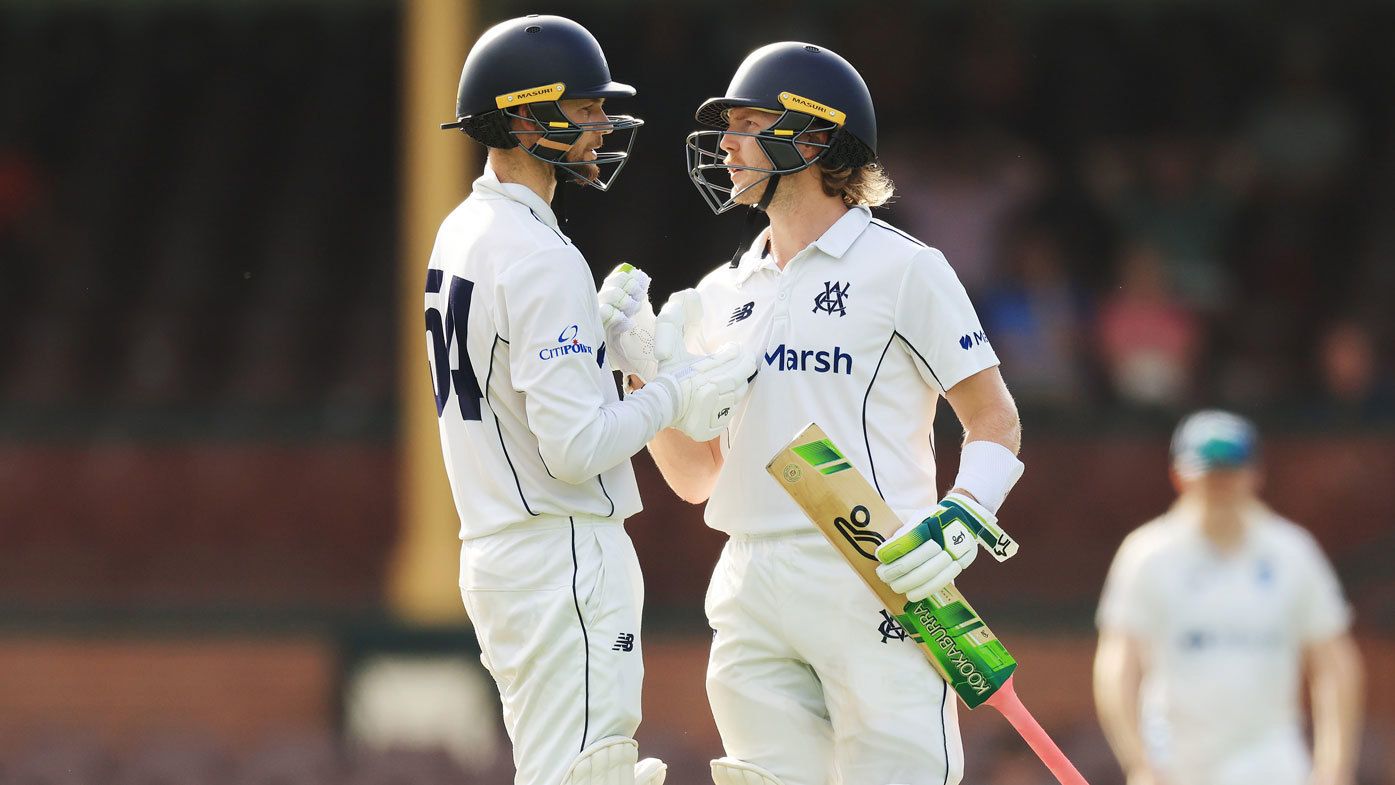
537, 61
813, 90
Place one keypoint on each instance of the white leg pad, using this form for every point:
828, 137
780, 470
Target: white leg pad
730, 771
650, 771
610, 761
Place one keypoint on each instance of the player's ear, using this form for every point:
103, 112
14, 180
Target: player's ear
527, 124
815, 137
1177, 484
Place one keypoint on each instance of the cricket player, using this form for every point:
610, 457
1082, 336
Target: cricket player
1209, 616
536, 441
861, 328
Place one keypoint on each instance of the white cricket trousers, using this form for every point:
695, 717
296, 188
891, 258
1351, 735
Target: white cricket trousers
556, 607
811, 681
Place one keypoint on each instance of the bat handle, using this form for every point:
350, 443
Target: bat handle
1007, 703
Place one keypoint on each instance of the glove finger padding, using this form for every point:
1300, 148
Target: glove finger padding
680, 315
614, 320
922, 558
626, 287
629, 321
636, 286
717, 382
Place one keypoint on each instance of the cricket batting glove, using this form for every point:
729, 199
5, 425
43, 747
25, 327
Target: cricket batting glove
629, 321
707, 387
922, 558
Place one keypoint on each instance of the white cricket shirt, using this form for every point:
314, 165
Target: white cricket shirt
1223, 638
531, 424
861, 332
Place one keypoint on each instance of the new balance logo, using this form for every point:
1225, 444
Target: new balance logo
742, 312
626, 642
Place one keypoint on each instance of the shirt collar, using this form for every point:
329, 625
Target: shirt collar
488, 184
840, 236
834, 242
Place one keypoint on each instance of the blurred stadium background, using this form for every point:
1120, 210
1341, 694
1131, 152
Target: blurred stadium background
226, 553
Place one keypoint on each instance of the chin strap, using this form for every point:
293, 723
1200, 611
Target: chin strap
749, 234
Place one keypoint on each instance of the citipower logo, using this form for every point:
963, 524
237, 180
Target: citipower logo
568, 344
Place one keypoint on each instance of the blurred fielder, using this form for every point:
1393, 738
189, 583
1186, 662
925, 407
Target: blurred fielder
536, 442
1208, 617
861, 328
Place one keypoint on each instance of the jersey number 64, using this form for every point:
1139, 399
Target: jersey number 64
449, 333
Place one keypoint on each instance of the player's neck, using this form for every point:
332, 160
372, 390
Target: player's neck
516, 166
1222, 524
798, 217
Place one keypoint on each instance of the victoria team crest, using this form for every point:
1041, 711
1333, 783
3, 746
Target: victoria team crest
891, 629
833, 299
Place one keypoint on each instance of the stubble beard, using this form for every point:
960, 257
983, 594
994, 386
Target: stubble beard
751, 195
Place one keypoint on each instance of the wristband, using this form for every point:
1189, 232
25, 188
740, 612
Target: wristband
988, 470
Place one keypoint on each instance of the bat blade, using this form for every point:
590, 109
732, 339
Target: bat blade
855, 519
952, 636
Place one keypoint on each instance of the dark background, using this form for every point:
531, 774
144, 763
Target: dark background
1157, 206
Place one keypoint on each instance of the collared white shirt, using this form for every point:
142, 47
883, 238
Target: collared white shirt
861, 332
1223, 637
531, 424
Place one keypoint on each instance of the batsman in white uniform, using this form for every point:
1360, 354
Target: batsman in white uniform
1209, 615
861, 328
535, 438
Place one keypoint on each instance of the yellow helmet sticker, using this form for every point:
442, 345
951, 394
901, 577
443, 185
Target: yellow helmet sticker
551, 92
798, 103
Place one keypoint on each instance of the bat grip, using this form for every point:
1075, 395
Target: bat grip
1007, 703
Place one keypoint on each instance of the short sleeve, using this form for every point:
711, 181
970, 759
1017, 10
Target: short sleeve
1125, 603
1322, 608
938, 325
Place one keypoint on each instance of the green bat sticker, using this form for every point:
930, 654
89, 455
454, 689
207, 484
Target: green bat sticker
976, 661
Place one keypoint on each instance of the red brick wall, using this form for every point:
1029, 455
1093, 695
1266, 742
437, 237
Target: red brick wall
310, 525
122, 690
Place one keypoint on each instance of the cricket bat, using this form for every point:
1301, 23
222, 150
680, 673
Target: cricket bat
855, 519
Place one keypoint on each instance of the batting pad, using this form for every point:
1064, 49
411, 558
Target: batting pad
730, 771
610, 761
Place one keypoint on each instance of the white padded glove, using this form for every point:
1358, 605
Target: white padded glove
923, 557
629, 321
708, 387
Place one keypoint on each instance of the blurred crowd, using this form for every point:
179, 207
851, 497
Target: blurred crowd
1154, 207
1161, 219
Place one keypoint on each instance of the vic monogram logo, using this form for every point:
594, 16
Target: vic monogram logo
890, 628
833, 298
